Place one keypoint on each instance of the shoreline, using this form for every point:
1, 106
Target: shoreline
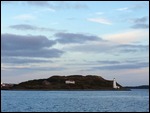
66, 90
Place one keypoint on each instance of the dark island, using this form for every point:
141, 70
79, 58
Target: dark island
72, 82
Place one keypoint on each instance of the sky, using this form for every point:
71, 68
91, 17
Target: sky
40, 39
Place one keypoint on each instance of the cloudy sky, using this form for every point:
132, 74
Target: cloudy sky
40, 39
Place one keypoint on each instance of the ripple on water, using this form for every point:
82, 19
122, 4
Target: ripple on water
75, 101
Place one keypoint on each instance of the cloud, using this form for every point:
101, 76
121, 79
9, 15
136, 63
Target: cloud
28, 46
133, 48
100, 20
7, 2
66, 38
122, 66
109, 48
139, 6
25, 17
31, 27
140, 20
99, 13
128, 36
6, 67
108, 62
140, 23
31, 68
23, 27
89, 63
71, 5
49, 9
38, 3
16, 60
56, 5
44, 53
91, 48
140, 26
25, 42
122, 9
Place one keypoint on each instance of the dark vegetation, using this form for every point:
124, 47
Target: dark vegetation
89, 82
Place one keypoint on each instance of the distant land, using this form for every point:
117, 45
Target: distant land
71, 82
138, 87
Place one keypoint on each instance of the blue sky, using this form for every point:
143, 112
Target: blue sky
45, 38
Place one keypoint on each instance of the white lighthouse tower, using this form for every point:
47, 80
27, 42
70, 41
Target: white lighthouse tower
115, 85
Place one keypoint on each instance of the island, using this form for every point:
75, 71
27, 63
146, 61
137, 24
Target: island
138, 87
71, 82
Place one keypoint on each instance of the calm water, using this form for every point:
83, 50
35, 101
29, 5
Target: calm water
77, 101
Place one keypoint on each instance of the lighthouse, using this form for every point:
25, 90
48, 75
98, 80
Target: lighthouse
2, 84
115, 85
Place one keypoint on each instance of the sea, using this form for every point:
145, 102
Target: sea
136, 100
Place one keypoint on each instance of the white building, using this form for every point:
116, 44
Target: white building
70, 82
115, 85
2, 84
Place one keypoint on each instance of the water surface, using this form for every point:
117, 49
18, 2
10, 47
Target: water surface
75, 101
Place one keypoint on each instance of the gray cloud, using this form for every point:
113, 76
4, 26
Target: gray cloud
108, 62
28, 46
108, 48
35, 3
122, 66
23, 27
45, 53
140, 26
38, 3
91, 48
25, 42
66, 38
135, 7
133, 48
140, 20
49, 68
58, 4
139, 6
140, 23
89, 63
34, 68
70, 5
31, 27
16, 60
7, 2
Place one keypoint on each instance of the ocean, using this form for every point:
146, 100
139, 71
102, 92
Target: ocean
136, 100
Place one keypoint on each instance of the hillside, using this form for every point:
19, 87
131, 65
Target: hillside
72, 82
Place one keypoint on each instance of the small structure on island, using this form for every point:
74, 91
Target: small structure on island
2, 84
115, 85
70, 82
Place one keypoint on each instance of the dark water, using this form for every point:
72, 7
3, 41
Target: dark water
75, 101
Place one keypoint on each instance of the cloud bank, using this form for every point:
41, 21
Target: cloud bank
123, 66
140, 23
66, 38
27, 27
28, 46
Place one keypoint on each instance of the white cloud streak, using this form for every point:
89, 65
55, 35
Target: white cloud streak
99, 13
123, 9
100, 20
25, 17
128, 36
